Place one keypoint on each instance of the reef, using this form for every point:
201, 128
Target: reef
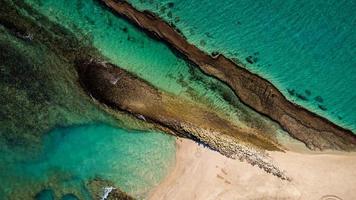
106, 190
316, 132
124, 91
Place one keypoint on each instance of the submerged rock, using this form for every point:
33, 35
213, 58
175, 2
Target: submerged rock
322, 107
215, 54
319, 99
308, 92
202, 42
105, 190
249, 59
252, 59
291, 91
170, 5
302, 97
45, 194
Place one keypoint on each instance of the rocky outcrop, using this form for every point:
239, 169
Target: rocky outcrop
104, 190
316, 132
123, 91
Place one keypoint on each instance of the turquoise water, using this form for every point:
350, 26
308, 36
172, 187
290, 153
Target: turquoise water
305, 48
134, 161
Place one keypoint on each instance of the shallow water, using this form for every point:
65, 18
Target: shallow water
305, 48
134, 161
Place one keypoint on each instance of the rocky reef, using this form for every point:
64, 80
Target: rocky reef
316, 132
106, 190
123, 91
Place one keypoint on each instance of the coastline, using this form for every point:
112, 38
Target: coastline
314, 176
316, 132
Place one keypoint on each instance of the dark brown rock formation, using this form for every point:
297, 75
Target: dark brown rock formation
97, 189
316, 132
123, 91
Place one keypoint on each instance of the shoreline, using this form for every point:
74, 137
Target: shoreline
198, 170
317, 132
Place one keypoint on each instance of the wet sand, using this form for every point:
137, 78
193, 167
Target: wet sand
201, 173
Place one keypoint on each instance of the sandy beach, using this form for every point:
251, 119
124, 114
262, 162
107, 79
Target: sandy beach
203, 174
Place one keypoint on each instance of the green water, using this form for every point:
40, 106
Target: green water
306, 48
133, 161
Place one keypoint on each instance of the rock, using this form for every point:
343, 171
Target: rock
97, 189
319, 99
45, 194
302, 97
251, 59
169, 14
214, 53
124, 29
170, 5
307, 92
186, 119
202, 43
291, 91
322, 107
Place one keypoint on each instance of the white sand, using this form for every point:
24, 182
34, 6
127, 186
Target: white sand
201, 173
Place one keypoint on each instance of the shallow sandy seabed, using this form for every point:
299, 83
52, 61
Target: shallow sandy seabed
201, 173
